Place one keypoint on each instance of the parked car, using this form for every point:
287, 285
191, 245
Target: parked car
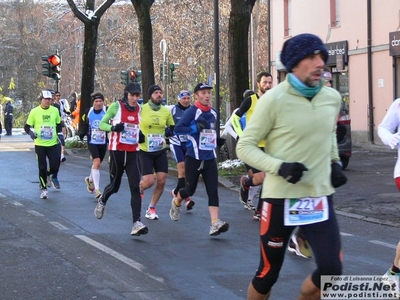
228, 150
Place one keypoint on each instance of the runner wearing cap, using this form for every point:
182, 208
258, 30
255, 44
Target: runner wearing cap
199, 124
42, 125
122, 119
156, 122
178, 145
96, 140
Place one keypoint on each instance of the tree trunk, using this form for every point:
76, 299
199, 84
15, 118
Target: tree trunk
142, 8
88, 67
238, 52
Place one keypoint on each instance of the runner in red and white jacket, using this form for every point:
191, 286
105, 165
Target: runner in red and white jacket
122, 119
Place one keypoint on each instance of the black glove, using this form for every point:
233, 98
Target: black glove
337, 176
292, 172
32, 134
81, 136
201, 124
141, 137
220, 142
118, 128
168, 132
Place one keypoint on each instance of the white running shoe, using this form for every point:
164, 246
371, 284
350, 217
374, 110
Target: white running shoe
89, 185
249, 205
139, 228
97, 193
43, 194
99, 209
151, 213
175, 211
218, 226
299, 246
189, 203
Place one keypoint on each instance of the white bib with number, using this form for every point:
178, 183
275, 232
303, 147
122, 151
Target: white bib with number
130, 135
305, 211
46, 132
207, 139
155, 142
98, 137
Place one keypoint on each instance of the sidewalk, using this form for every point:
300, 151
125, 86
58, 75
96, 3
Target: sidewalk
359, 199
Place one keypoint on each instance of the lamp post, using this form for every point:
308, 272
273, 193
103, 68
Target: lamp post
216, 64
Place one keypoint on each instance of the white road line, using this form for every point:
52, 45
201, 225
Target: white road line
16, 203
346, 234
58, 225
2, 196
383, 244
35, 213
119, 256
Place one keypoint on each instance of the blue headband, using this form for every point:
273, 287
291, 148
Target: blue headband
183, 94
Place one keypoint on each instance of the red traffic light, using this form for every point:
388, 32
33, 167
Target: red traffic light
132, 74
55, 60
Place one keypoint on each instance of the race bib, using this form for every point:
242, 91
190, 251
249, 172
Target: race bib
98, 137
183, 138
130, 134
46, 132
207, 139
305, 211
155, 142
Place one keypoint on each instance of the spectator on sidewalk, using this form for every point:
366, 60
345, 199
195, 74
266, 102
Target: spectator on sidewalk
8, 118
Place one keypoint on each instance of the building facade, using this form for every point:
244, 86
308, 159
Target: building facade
363, 41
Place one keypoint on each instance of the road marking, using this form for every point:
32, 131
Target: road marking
346, 234
58, 225
383, 244
35, 213
16, 203
2, 196
119, 256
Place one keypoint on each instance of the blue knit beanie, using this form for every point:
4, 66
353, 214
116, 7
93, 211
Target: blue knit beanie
299, 47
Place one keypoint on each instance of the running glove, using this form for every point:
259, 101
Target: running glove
337, 176
118, 128
141, 137
201, 124
32, 134
292, 172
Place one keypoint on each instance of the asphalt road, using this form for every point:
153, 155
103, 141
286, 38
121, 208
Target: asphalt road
57, 249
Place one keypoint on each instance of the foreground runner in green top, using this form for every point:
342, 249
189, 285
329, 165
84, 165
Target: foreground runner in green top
43, 123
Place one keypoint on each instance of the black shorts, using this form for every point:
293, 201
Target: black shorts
323, 237
97, 151
153, 162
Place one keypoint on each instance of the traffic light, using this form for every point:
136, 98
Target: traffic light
55, 66
125, 77
138, 76
132, 76
45, 66
51, 66
173, 67
161, 73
